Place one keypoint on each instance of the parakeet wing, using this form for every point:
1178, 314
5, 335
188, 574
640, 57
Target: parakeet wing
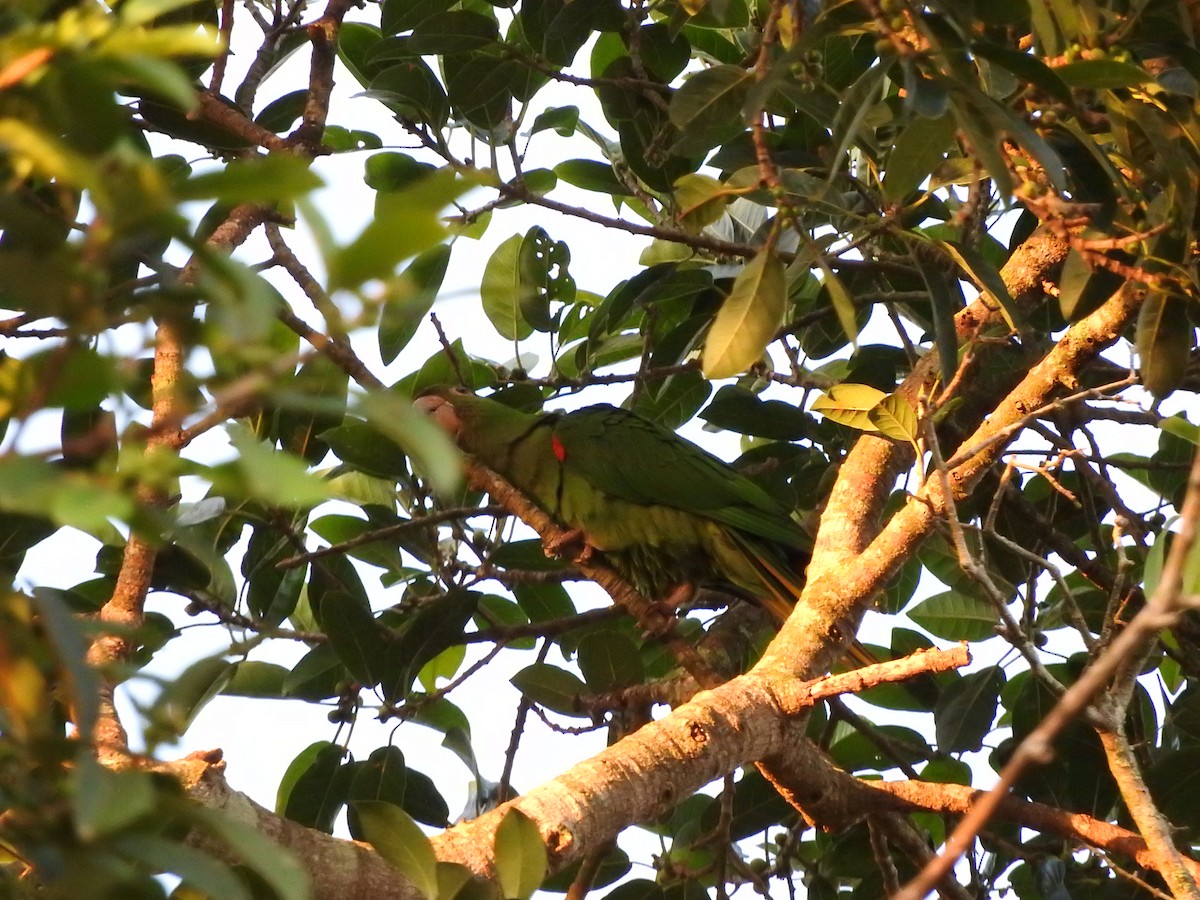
628, 457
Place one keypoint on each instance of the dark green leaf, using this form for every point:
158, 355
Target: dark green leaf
552, 687
955, 617
1165, 338
359, 445
609, 660
964, 713
592, 176
707, 110
403, 15
426, 633
738, 409
355, 635
314, 787
918, 150
183, 698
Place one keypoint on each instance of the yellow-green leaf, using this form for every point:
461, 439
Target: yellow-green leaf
502, 289
895, 418
700, 201
400, 841
520, 856
850, 405
33, 151
748, 319
843, 303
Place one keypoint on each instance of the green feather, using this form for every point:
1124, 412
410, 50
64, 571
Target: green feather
662, 510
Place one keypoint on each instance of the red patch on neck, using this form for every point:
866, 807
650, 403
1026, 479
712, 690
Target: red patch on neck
560, 452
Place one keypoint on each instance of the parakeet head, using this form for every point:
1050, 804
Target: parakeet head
439, 405
477, 424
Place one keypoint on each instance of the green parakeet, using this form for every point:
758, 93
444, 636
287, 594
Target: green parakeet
665, 513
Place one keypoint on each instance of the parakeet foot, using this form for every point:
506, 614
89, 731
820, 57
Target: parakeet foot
662, 613
572, 544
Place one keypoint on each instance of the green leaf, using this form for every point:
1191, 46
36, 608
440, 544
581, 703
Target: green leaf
918, 150
277, 868
1102, 73
748, 319
454, 31
383, 777
480, 89
609, 660
406, 222
543, 601
254, 678
314, 786
283, 112
316, 676
1165, 338
389, 171
699, 200
965, 710
183, 698
355, 635
955, 617
542, 276
133, 13
563, 119
105, 802
842, 301
428, 446
264, 473
521, 860
1026, 66
365, 448
551, 687
1082, 288
404, 15
503, 288
400, 841
425, 634
458, 882
739, 409
1174, 781
356, 41
411, 91
850, 405
945, 296
707, 109
591, 175
68, 642
987, 278
271, 593
257, 179
197, 869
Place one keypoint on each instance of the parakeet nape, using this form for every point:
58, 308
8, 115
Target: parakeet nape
665, 513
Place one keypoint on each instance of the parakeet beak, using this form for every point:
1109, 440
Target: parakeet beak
440, 410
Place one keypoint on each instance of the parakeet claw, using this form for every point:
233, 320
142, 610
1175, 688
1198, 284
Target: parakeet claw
663, 613
572, 544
